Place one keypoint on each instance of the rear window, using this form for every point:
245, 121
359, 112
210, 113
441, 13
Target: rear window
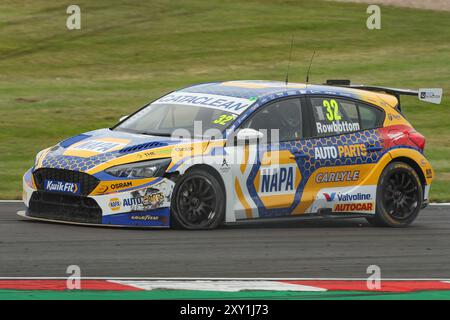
371, 117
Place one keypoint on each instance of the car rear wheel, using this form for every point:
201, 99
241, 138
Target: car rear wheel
399, 196
198, 201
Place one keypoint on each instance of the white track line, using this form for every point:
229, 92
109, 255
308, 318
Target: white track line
211, 285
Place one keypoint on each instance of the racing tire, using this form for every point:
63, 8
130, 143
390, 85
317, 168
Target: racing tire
399, 196
198, 201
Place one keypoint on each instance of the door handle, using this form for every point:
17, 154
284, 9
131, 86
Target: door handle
298, 155
373, 148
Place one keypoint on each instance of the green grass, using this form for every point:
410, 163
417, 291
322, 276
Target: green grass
55, 83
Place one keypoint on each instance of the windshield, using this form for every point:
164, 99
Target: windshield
171, 119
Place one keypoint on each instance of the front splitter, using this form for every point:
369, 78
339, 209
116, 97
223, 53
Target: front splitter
23, 214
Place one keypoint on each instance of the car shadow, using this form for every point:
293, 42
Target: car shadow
291, 223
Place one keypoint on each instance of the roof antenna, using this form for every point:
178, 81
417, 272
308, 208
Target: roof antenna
309, 68
289, 62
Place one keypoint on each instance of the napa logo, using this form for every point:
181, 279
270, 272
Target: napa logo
98, 146
279, 179
114, 204
61, 186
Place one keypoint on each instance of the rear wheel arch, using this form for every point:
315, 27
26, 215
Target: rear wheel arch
398, 201
413, 164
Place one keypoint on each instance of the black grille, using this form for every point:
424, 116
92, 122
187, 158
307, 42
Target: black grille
55, 206
87, 182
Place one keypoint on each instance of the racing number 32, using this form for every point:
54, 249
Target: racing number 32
332, 110
223, 119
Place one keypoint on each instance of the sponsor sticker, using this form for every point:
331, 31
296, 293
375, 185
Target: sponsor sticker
138, 202
115, 186
339, 176
114, 204
98, 146
146, 217
102, 189
61, 186
279, 179
226, 103
349, 207
346, 197
337, 127
433, 95
394, 116
156, 218
148, 201
345, 151
121, 185
225, 167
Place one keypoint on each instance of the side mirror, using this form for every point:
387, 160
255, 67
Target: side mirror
248, 135
123, 118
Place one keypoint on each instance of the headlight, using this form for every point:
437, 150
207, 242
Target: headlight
40, 153
38, 156
145, 169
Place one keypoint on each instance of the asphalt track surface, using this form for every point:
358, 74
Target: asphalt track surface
325, 249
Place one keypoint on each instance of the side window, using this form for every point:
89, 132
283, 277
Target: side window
284, 116
334, 116
371, 117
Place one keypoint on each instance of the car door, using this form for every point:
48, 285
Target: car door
273, 178
341, 155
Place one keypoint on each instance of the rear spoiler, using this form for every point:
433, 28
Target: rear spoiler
431, 95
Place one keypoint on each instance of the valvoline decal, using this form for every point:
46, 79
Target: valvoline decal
347, 197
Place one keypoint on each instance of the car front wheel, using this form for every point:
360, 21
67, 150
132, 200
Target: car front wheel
198, 201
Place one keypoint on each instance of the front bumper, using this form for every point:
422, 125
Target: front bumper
146, 205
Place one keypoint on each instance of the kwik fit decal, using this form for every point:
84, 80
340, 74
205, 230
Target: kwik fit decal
61, 186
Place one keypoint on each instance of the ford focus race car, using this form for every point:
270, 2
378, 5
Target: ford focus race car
230, 151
